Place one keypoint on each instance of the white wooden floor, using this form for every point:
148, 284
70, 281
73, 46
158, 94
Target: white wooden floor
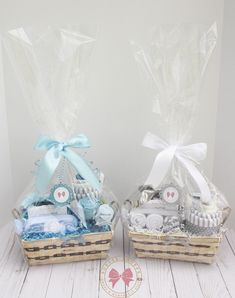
160, 278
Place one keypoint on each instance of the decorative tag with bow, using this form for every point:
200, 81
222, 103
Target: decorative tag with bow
61, 194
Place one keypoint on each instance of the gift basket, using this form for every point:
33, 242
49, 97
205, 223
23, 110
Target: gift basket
67, 213
177, 213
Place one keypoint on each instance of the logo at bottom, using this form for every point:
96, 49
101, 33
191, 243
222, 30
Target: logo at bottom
120, 277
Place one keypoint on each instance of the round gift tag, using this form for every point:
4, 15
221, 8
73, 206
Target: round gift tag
170, 194
61, 194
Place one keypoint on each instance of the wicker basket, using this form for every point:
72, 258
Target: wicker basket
178, 246
55, 250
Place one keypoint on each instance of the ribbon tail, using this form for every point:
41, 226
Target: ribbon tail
161, 166
198, 178
127, 280
46, 170
83, 169
114, 281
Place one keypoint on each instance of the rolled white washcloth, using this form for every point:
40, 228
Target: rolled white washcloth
138, 220
104, 215
154, 222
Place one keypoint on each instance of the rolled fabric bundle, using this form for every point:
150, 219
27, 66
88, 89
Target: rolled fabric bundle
138, 220
84, 189
203, 223
54, 226
104, 215
154, 222
50, 223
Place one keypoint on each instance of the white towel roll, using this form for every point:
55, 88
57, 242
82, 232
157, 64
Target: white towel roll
154, 222
104, 215
138, 220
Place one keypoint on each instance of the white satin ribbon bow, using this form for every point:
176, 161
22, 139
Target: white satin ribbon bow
187, 155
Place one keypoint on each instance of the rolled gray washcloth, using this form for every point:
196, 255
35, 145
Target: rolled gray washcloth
203, 219
203, 223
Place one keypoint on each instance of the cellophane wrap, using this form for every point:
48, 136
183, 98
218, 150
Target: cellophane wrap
176, 196
68, 195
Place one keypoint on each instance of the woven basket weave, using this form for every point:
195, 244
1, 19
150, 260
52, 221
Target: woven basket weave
178, 246
56, 250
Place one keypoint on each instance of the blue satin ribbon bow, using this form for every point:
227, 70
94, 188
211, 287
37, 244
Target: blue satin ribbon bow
55, 151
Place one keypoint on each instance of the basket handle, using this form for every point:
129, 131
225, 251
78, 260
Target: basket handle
15, 213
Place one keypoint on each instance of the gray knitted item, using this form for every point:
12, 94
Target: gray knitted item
202, 231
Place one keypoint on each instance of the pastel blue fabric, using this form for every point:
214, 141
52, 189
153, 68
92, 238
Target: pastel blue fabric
90, 207
55, 151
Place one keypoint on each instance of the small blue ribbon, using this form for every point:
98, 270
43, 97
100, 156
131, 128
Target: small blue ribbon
55, 151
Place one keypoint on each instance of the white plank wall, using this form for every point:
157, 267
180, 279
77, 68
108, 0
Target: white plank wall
160, 278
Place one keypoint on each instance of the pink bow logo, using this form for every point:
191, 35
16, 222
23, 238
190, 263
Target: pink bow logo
126, 276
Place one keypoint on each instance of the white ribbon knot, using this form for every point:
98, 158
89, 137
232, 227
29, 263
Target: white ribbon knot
187, 155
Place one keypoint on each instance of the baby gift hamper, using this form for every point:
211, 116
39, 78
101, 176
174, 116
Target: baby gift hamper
177, 213
67, 213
